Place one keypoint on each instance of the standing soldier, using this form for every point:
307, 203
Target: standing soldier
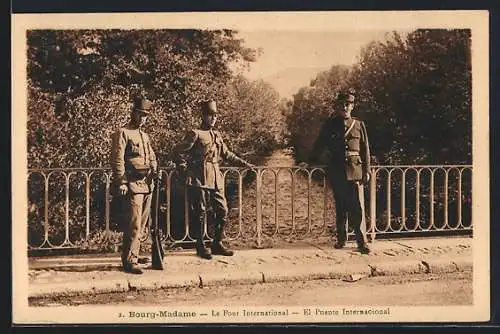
134, 169
349, 166
199, 156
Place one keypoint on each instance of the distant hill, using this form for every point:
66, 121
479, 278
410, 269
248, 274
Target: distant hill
288, 81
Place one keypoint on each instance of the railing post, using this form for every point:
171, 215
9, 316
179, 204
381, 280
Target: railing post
87, 205
259, 208
431, 200
66, 208
361, 196
309, 181
293, 202
388, 201
403, 199
186, 216
459, 191
373, 203
276, 200
417, 200
107, 199
46, 209
446, 219
240, 203
168, 205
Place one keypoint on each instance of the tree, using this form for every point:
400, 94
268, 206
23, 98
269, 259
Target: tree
252, 117
96, 73
311, 106
414, 93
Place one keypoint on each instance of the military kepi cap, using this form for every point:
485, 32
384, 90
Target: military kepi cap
209, 107
143, 105
346, 96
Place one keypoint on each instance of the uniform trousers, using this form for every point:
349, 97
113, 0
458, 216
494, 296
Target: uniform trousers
137, 215
201, 200
348, 207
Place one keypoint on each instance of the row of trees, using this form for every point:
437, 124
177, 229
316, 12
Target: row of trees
81, 84
414, 93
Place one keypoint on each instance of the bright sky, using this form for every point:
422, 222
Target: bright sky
302, 49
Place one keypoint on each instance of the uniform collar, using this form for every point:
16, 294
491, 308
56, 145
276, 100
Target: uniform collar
338, 119
132, 126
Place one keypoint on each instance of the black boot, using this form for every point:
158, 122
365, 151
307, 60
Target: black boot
157, 266
217, 246
219, 249
339, 244
132, 268
363, 249
203, 252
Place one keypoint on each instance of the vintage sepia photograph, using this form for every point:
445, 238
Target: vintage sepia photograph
270, 167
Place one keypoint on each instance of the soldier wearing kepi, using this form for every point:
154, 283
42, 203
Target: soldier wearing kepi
199, 157
134, 168
349, 166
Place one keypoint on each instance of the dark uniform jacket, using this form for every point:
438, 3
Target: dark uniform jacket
204, 151
133, 160
350, 153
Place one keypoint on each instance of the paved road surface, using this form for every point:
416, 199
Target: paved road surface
415, 290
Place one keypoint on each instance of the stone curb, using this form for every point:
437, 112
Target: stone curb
250, 276
435, 266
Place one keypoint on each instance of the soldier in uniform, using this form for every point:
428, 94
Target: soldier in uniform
198, 157
134, 168
349, 166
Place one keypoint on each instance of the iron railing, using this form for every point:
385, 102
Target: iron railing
68, 206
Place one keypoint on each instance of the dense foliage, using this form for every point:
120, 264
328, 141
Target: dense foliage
81, 84
413, 92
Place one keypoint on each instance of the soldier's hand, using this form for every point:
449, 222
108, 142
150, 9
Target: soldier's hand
181, 169
123, 189
303, 165
155, 175
181, 166
249, 165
